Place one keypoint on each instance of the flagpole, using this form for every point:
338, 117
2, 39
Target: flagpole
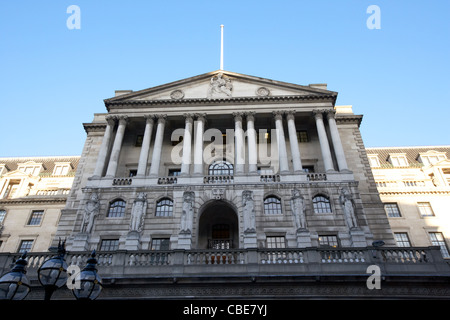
221, 47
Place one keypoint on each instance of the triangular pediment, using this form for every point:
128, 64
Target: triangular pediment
220, 85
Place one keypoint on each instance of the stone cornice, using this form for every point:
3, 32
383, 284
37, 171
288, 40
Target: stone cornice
44, 199
347, 119
206, 101
94, 127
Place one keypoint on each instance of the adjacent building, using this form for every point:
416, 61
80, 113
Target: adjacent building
33, 191
414, 185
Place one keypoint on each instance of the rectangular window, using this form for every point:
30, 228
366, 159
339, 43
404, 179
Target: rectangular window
276, 242
61, 170
25, 245
139, 140
328, 241
399, 161
308, 169
160, 244
392, 210
402, 239
36, 217
302, 136
437, 239
2, 216
109, 245
425, 209
132, 173
374, 162
174, 172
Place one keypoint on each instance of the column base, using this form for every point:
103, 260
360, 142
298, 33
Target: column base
250, 240
358, 237
80, 242
133, 241
303, 238
184, 240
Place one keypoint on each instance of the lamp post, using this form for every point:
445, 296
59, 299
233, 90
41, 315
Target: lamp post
89, 284
15, 285
53, 272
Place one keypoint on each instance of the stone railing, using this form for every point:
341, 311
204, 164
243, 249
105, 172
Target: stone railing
218, 179
122, 181
307, 261
167, 180
270, 178
316, 177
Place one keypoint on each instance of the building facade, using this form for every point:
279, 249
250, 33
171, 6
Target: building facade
33, 191
414, 185
225, 185
223, 160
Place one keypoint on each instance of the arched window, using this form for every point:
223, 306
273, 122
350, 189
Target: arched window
272, 205
321, 204
116, 209
164, 207
221, 168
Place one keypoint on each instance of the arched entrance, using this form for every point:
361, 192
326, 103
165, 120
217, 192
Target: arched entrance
218, 226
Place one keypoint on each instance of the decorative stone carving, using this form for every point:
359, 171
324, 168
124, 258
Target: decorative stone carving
138, 212
91, 211
187, 214
177, 94
262, 92
220, 86
298, 210
218, 193
346, 201
249, 212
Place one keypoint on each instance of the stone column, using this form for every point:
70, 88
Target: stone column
187, 140
323, 140
337, 143
251, 138
295, 151
281, 142
115, 152
143, 157
157, 148
101, 159
198, 152
239, 160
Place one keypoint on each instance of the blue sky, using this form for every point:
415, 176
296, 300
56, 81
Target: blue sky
52, 79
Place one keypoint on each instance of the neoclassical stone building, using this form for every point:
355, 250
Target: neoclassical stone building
224, 160
225, 185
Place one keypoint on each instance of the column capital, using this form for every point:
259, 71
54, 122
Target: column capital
250, 115
318, 113
238, 116
188, 116
161, 118
330, 113
200, 116
111, 119
278, 115
290, 114
149, 118
123, 119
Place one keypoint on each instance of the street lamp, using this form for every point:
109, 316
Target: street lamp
89, 284
53, 272
15, 285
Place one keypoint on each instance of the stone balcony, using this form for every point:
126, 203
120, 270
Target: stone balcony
189, 268
106, 182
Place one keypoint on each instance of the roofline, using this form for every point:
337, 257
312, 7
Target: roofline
208, 74
38, 157
409, 147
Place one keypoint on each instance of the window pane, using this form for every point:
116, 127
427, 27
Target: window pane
109, 245
275, 242
164, 208
328, 241
116, 209
25, 245
160, 244
321, 205
402, 239
220, 168
437, 239
272, 205
392, 210
2, 215
36, 218
425, 209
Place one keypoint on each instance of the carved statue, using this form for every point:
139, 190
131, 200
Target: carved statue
346, 201
249, 212
298, 209
220, 84
138, 212
188, 212
91, 211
